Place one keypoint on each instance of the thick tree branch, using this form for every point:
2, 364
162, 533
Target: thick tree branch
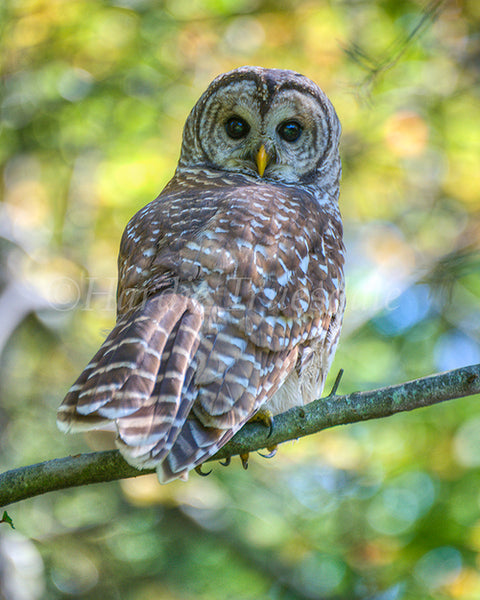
96, 467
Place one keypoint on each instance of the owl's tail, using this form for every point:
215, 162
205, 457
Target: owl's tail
146, 357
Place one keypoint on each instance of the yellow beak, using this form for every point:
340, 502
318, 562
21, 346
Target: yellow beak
262, 160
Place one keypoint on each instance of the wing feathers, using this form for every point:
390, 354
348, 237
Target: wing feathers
175, 392
121, 377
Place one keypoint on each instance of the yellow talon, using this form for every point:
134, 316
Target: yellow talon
244, 459
265, 417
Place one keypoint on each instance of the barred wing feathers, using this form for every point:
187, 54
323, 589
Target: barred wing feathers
120, 382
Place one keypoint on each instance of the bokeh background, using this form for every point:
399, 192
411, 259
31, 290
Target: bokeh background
93, 98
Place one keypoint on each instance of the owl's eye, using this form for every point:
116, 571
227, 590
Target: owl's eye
236, 127
290, 131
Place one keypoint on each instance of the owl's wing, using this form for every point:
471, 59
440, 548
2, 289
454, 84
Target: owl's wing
175, 391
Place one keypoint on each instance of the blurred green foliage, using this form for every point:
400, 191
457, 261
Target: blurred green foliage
93, 99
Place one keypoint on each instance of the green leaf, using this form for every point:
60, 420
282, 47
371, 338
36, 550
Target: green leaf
7, 519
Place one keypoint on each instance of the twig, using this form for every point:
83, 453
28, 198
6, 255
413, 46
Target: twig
391, 56
96, 467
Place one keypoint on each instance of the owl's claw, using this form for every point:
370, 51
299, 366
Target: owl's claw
226, 462
338, 379
266, 418
272, 450
202, 473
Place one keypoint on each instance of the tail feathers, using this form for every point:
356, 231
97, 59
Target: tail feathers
147, 435
193, 446
197, 442
120, 379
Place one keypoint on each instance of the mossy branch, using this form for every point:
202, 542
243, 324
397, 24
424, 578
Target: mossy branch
96, 467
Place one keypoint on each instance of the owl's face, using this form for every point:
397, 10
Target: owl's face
266, 123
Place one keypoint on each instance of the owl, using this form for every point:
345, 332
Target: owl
230, 291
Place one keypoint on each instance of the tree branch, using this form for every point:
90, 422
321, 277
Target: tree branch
96, 467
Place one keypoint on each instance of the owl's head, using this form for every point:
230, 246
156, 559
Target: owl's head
268, 123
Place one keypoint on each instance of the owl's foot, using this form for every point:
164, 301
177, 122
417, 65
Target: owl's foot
265, 417
243, 458
272, 450
334, 389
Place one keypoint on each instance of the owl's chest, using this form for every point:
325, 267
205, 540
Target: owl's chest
306, 382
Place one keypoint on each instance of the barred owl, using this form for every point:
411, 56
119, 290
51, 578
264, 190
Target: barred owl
231, 292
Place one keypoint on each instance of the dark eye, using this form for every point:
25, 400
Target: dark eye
236, 127
290, 131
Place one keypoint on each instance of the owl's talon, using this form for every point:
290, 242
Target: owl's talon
244, 459
226, 462
272, 450
202, 473
338, 379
